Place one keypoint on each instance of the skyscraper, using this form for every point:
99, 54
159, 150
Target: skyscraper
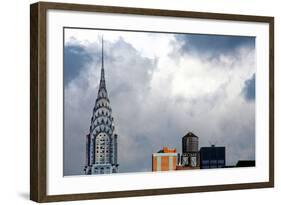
101, 142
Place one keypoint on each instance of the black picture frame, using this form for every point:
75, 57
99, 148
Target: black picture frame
38, 100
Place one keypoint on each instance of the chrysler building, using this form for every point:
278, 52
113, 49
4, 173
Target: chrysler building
101, 142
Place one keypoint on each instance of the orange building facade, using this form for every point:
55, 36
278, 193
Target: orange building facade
165, 160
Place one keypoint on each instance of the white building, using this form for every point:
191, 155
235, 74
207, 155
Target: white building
101, 142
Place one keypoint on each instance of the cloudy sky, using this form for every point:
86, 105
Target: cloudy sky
160, 86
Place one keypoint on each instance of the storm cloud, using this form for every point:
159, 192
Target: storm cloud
75, 57
249, 89
213, 47
156, 98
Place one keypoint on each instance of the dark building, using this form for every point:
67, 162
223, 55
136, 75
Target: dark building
212, 157
246, 163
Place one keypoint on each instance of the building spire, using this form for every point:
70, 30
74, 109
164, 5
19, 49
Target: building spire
102, 67
102, 87
102, 80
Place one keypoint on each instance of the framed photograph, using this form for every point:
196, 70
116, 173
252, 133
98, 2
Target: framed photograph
134, 102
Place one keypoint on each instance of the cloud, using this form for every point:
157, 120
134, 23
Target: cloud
249, 90
156, 99
75, 57
212, 47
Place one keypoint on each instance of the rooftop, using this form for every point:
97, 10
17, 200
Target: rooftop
167, 150
190, 134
